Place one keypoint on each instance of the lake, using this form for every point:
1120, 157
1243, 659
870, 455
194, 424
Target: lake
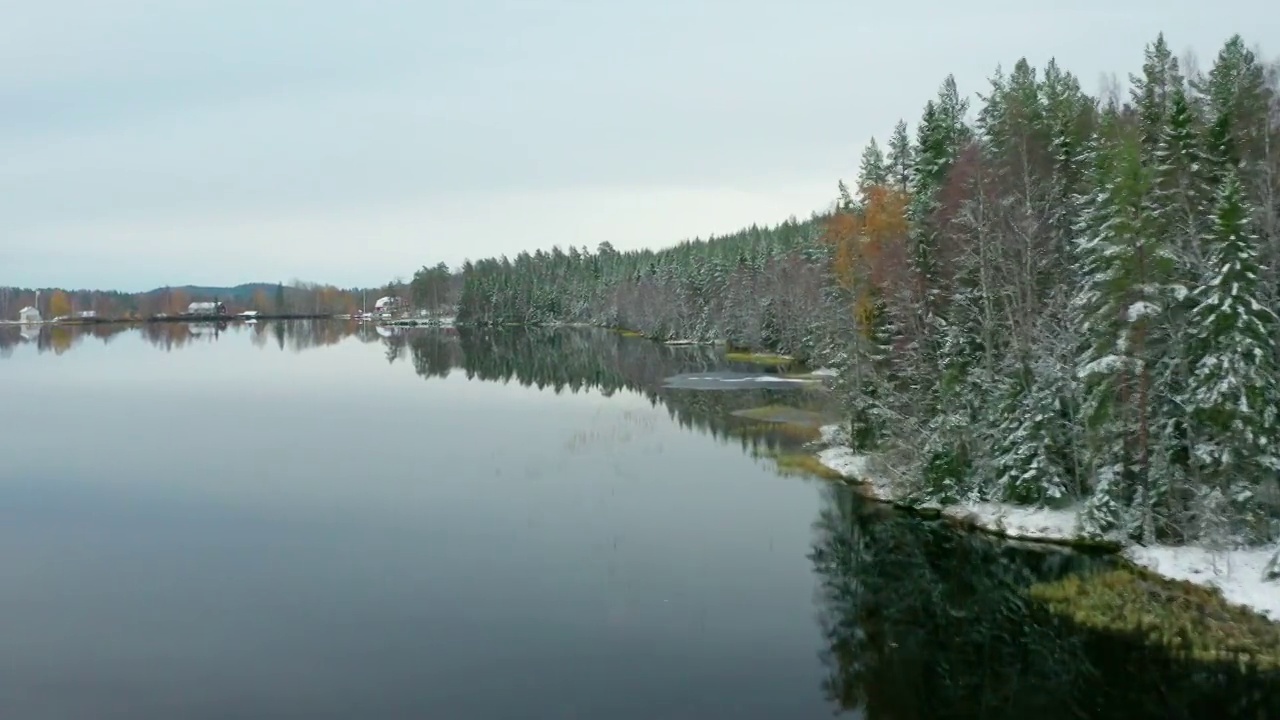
330, 520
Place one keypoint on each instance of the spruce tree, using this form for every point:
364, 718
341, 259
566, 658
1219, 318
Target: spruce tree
868, 386
941, 135
1118, 312
872, 171
900, 161
1233, 391
1031, 454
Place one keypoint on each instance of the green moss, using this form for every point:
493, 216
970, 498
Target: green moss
630, 333
767, 359
784, 414
1182, 616
797, 433
803, 464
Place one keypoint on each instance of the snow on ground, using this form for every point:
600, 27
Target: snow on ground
825, 372
1014, 521
1022, 523
1237, 573
683, 341
855, 467
753, 378
833, 435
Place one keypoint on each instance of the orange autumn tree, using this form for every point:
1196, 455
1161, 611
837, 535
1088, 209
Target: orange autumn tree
178, 301
870, 248
260, 301
59, 304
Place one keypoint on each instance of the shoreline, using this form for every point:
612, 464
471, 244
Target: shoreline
1238, 574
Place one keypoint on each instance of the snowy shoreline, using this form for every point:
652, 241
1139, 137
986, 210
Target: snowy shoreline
1238, 574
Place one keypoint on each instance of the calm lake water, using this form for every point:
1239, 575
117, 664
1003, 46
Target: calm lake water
318, 520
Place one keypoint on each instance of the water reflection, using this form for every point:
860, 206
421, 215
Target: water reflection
563, 359
578, 360
294, 335
916, 620
924, 622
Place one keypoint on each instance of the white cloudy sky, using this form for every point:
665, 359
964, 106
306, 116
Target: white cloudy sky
218, 141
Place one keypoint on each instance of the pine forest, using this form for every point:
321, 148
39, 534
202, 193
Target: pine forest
1037, 297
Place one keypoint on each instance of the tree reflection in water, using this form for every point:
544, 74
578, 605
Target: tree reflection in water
919, 620
922, 621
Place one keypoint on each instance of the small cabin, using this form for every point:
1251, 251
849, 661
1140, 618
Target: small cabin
207, 308
28, 315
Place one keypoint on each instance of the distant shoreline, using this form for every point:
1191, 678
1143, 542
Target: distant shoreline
177, 319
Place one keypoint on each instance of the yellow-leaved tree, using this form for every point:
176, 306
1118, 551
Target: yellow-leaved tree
59, 304
870, 249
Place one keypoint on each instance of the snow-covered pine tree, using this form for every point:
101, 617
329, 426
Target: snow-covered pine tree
1068, 117
868, 386
1099, 368
1183, 189
1032, 462
1029, 399
1240, 105
1118, 312
1236, 87
900, 160
1234, 391
872, 171
844, 200
941, 135
1153, 92
1174, 209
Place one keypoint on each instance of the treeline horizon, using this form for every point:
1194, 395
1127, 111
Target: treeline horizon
293, 297
1049, 298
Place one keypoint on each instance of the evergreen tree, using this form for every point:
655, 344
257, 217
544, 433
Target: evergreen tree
1233, 392
900, 160
1032, 453
1153, 93
941, 135
866, 384
1118, 309
872, 171
1235, 92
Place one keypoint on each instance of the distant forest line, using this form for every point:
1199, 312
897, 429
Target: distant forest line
295, 297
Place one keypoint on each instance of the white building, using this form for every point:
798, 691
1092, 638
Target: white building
28, 315
206, 308
387, 304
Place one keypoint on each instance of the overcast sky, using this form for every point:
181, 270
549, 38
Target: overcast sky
145, 143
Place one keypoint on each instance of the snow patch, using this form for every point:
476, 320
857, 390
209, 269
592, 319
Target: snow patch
845, 461
1020, 522
826, 372
754, 378
834, 435
1141, 309
1239, 574
855, 467
1014, 521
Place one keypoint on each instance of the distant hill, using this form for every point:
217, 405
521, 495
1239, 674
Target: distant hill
238, 293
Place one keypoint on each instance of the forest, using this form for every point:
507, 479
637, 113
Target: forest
1041, 297
296, 297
